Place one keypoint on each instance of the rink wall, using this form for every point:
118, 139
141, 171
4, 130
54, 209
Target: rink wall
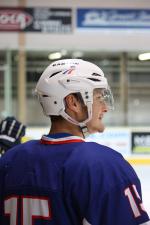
133, 143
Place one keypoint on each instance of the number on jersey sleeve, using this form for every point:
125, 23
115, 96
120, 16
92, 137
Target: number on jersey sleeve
132, 194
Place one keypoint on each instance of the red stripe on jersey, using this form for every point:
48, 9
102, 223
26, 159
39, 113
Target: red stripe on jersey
60, 142
63, 140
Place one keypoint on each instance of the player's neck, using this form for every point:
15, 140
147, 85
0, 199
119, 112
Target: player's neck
65, 127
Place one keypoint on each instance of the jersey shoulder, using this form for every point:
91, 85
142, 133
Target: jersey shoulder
18, 150
91, 152
101, 161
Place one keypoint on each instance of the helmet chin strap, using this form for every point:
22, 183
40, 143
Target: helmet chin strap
84, 131
82, 125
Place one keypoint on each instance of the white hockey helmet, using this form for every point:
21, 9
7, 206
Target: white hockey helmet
68, 76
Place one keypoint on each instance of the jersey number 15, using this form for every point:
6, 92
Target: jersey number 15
31, 208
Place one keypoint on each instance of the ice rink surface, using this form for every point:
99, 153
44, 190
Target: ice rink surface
143, 172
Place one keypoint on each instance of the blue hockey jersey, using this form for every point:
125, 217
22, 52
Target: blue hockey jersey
63, 180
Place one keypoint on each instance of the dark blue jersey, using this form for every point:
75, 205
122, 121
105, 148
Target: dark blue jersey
62, 180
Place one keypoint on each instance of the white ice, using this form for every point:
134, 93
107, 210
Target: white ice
143, 172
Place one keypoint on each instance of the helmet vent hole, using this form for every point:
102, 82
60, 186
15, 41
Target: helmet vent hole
96, 74
53, 74
93, 79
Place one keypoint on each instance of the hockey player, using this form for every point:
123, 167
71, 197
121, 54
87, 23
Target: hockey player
61, 179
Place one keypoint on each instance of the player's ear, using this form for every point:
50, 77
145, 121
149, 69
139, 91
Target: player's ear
72, 103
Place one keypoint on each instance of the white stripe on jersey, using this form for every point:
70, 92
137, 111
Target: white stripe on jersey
85, 222
46, 138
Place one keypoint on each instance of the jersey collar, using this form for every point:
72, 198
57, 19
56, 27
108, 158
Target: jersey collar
60, 138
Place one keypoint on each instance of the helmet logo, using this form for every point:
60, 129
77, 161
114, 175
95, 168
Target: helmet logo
70, 70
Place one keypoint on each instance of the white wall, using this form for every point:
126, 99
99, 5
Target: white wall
100, 40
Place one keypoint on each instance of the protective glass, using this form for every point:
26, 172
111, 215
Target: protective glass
106, 96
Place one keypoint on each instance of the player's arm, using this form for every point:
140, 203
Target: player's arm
99, 202
123, 205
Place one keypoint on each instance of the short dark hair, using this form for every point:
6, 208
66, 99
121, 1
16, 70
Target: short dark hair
56, 118
78, 96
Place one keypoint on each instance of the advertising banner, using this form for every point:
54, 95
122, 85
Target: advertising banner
141, 142
50, 20
118, 139
113, 18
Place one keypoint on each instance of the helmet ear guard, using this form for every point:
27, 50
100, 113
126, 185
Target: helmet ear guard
69, 76
51, 105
